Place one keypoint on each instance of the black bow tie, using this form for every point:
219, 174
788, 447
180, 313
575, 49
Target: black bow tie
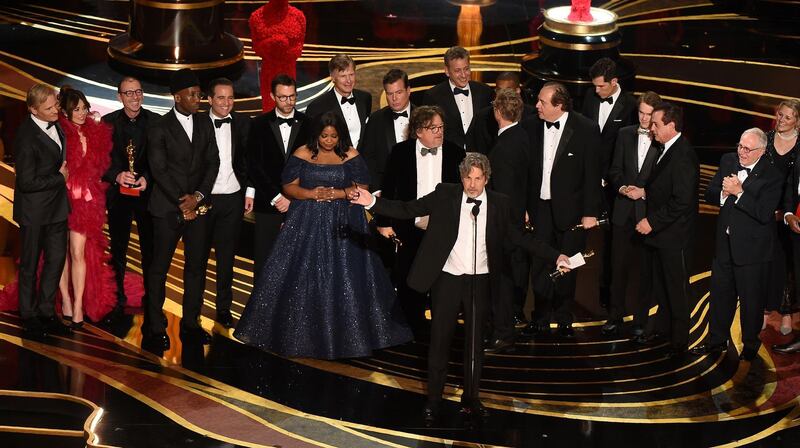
641, 131
550, 124
474, 201
219, 122
280, 121
50, 125
739, 167
659, 147
397, 115
351, 100
609, 100
457, 91
425, 151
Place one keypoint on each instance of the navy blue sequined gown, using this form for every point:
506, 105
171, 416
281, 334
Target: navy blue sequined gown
321, 292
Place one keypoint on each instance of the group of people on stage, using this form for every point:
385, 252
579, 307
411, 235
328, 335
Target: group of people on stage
476, 196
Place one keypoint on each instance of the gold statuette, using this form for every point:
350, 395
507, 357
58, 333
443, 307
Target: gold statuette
130, 150
560, 272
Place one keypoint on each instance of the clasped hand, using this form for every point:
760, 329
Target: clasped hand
188, 203
731, 185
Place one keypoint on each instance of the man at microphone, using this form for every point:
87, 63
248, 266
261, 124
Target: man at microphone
460, 258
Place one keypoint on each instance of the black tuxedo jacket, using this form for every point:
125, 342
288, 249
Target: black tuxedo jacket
624, 170
575, 179
266, 156
180, 166
510, 160
750, 221
40, 191
486, 127
444, 207
441, 95
376, 143
328, 102
119, 155
623, 113
671, 195
790, 197
400, 180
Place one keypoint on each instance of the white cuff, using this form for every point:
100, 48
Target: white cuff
250, 193
722, 199
277, 198
371, 204
784, 217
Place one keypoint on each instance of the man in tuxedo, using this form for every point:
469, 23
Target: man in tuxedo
486, 125
40, 209
273, 138
351, 104
130, 128
747, 188
612, 109
415, 167
564, 185
459, 98
184, 160
450, 267
510, 164
388, 126
668, 227
791, 217
220, 227
634, 157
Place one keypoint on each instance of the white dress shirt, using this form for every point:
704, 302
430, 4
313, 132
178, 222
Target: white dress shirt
668, 145
186, 122
742, 176
350, 112
459, 262
429, 175
226, 182
52, 132
464, 104
605, 109
503, 129
401, 125
552, 137
643, 146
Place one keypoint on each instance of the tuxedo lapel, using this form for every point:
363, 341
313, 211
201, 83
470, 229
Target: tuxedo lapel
361, 107
276, 131
179, 134
292, 137
451, 109
388, 127
44, 138
647, 165
566, 135
593, 112
616, 109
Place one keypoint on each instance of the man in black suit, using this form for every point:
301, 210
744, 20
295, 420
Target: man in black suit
388, 126
40, 209
633, 160
130, 128
486, 125
459, 98
612, 109
415, 167
352, 105
510, 161
564, 185
184, 160
273, 138
668, 226
450, 266
747, 188
220, 227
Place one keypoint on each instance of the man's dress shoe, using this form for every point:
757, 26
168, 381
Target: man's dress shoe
499, 346
535, 328
195, 334
787, 349
566, 330
708, 349
225, 319
611, 327
54, 326
156, 343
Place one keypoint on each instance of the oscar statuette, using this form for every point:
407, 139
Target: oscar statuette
559, 272
131, 152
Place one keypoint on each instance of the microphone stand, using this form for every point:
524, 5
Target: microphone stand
473, 306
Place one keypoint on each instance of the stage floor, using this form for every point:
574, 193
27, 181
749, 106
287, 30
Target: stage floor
97, 387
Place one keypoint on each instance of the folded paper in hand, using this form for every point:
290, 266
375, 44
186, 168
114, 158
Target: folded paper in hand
575, 261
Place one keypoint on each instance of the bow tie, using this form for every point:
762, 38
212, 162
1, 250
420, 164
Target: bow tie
425, 151
218, 123
739, 167
50, 125
474, 201
641, 131
457, 91
280, 121
550, 124
609, 100
351, 100
397, 115
659, 147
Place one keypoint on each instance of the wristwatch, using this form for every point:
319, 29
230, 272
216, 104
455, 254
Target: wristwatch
198, 196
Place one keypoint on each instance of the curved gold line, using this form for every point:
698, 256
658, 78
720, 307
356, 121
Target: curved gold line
709, 86
685, 18
700, 58
580, 47
52, 29
115, 54
716, 106
85, 16
178, 6
654, 11
32, 17
104, 28
41, 431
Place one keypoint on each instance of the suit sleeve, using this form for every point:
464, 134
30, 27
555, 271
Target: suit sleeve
389, 187
616, 172
266, 184
367, 148
591, 195
212, 160
714, 189
760, 199
243, 135
157, 159
25, 168
504, 180
527, 240
684, 188
407, 210
790, 192
116, 165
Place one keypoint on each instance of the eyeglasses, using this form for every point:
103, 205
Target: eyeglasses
286, 98
130, 93
745, 149
434, 129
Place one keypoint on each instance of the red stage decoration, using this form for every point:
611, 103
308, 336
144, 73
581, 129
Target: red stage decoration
580, 11
278, 32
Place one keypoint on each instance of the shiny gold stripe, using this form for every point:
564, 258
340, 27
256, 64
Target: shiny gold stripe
579, 29
41, 431
164, 66
710, 86
51, 28
84, 16
56, 19
178, 6
579, 47
654, 11
700, 58
716, 106
686, 18
32, 17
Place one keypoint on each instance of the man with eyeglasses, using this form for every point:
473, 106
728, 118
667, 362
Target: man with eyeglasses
388, 126
273, 138
417, 166
460, 99
747, 188
184, 161
129, 130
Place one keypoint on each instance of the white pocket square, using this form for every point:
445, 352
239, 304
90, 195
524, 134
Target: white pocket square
569, 154
618, 120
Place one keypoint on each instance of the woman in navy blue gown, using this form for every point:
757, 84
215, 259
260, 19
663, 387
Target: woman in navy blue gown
322, 293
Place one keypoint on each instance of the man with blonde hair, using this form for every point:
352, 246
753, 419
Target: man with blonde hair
41, 209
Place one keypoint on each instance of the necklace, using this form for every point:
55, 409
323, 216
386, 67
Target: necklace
790, 137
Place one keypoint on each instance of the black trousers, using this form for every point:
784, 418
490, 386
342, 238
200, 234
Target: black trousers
220, 229
167, 231
554, 300
511, 296
670, 279
626, 252
121, 213
451, 293
729, 282
266, 230
50, 242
